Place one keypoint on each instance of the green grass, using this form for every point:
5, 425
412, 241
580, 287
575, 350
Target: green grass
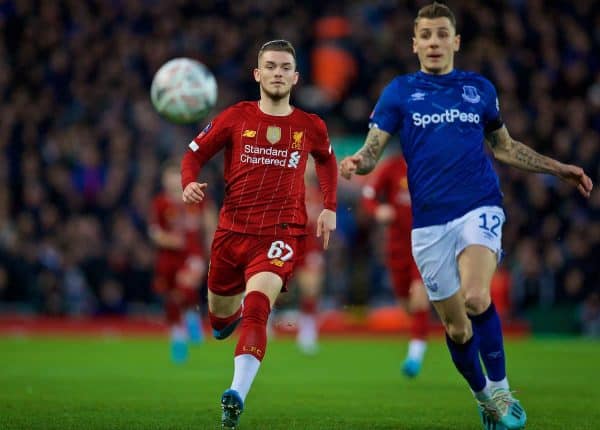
352, 384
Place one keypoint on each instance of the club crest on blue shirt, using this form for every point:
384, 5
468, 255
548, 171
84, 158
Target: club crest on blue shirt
470, 94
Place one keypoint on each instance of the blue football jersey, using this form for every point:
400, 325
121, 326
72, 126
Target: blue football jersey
441, 120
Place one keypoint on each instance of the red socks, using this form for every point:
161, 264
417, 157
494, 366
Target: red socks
308, 305
420, 325
253, 331
219, 323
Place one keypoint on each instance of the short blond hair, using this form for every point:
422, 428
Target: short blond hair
277, 45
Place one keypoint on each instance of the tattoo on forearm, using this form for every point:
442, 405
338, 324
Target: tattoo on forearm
526, 158
517, 154
493, 140
370, 152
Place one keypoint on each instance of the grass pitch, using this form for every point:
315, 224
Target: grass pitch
59, 383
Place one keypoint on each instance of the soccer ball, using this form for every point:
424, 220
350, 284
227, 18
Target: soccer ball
183, 90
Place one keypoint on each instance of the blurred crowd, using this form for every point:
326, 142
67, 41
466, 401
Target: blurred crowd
81, 147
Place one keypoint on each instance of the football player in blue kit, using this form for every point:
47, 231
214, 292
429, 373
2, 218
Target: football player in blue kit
443, 117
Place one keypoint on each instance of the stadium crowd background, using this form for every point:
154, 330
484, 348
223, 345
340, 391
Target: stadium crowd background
81, 147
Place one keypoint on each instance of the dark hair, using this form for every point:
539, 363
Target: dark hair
436, 10
278, 45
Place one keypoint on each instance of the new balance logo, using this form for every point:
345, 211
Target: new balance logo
277, 262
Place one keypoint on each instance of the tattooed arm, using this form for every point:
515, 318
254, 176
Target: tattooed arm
516, 154
366, 157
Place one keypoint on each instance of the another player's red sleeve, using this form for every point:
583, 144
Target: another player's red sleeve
375, 188
204, 146
326, 167
155, 211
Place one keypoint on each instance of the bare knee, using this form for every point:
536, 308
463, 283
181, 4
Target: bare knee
224, 306
417, 298
477, 300
459, 333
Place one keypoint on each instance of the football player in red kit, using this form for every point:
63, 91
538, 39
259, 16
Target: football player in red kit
310, 273
387, 199
179, 232
262, 223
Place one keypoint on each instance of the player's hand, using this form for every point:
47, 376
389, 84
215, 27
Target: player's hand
325, 225
194, 192
349, 165
385, 213
576, 177
166, 239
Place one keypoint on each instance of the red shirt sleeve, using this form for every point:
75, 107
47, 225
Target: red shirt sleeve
375, 189
204, 146
326, 166
155, 212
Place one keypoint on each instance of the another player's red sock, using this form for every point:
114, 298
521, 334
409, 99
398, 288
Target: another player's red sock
420, 325
173, 308
173, 313
308, 305
253, 332
219, 323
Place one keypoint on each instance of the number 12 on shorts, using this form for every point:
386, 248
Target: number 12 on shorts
281, 250
490, 225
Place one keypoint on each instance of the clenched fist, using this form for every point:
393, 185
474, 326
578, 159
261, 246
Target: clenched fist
194, 192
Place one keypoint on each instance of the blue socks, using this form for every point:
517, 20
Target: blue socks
486, 342
487, 328
466, 359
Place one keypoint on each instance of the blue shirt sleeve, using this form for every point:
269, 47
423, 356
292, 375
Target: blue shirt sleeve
492, 120
388, 115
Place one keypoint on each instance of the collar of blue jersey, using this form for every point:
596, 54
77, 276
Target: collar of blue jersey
448, 75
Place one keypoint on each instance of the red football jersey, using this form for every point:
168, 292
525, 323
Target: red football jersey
265, 160
177, 217
390, 185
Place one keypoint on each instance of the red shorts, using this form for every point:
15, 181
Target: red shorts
402, 276
167, 269
236, 257
165, 273
313, 257
312, 260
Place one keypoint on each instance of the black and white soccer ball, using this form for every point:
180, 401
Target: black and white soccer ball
183, 91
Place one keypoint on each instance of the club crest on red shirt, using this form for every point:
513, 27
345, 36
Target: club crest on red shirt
297, 137
273, 134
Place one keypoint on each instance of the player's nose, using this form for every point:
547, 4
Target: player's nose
434, 41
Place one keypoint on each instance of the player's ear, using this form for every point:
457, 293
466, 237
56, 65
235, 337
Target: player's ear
256, 73
414, 45
456, 43
296, 77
